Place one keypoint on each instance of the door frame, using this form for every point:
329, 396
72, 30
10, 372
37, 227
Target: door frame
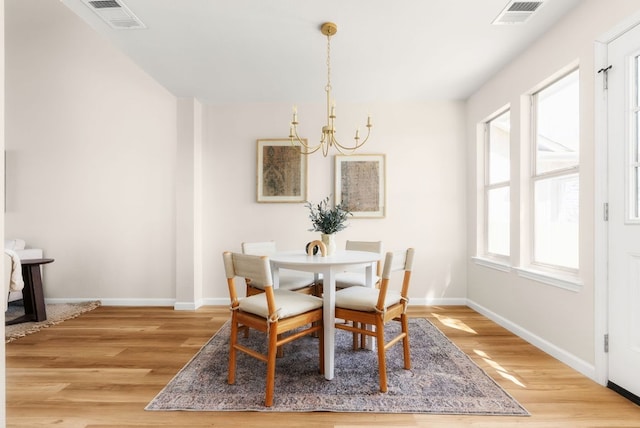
601, 238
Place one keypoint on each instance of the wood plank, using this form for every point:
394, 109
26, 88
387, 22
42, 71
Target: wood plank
101, 369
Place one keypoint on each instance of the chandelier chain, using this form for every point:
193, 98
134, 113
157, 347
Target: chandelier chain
328, 87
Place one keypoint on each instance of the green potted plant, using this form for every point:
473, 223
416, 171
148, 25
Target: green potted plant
327, 221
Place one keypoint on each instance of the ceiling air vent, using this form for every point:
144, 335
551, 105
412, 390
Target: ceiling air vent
517, 12
115, 14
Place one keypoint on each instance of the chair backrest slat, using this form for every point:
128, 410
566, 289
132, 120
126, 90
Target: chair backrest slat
259, 248
370, 246
254, 267
396, 261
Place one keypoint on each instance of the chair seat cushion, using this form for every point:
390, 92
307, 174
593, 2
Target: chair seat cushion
351, 279
288, 304
290, 280
364, 298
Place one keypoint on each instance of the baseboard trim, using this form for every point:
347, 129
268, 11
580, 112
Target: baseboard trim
115, 302
561, 354
224, 301
437, 301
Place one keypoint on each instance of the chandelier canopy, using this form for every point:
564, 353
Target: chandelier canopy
328, 138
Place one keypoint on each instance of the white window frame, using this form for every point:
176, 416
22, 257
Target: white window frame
535, 178
632, 152
488, 187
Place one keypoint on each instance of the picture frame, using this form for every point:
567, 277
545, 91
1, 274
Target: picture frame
360, 184
281, 173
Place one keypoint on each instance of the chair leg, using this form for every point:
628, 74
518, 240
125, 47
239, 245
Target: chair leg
271, 365
233, 340
321, 346
280, 352
363, 337
405, 342
382, 362
356, 336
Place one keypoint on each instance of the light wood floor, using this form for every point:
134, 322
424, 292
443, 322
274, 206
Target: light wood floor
100, 370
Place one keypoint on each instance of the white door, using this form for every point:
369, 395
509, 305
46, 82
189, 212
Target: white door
624, 211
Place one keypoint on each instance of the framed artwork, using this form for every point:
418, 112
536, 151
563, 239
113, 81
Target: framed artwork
360, 184
281, 171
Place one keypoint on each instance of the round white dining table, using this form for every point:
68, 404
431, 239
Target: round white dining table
328, 267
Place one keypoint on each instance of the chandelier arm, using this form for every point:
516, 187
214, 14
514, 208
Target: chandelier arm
308, 148
357, 145
340, 149
325, 150
310, 152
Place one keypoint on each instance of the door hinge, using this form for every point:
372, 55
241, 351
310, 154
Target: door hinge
605, 211
606, 342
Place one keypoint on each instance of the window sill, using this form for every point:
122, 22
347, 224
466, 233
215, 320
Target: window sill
492, 263
565, 282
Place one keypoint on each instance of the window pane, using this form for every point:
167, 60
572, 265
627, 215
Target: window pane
635, 149
498, 222
636, 141
637, 79
556, 221
636, 189
635, 171
499, 168
558, 125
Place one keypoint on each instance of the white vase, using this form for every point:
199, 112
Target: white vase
330, 242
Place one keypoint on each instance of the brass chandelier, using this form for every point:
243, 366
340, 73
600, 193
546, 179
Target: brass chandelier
328, 138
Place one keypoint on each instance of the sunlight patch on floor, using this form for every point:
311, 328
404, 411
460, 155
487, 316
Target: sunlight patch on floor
454, 323
501, 370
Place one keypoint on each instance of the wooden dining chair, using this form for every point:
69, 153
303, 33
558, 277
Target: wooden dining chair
282, 315
301, 282
376, 307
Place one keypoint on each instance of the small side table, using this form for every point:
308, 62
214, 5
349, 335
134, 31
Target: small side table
32, 293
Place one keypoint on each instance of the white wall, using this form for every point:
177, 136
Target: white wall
91, 143
561, 320
424, 148
94, 173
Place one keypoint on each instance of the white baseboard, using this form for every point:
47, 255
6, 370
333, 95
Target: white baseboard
224, 301
429, 301
115, 302
178, 306
567, 358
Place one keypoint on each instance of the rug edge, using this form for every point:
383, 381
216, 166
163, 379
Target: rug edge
91, 305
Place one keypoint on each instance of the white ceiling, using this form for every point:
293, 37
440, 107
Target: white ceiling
239, 51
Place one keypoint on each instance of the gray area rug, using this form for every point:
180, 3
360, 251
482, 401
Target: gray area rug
442, 380
56, 313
